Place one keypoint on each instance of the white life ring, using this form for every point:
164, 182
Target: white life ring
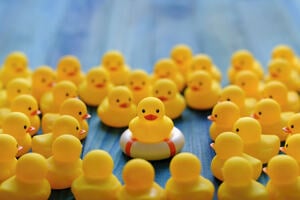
152, 151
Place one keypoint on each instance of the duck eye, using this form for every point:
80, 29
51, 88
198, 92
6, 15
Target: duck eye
287, 145
131, 82
243, 83
43, 80
200, 83
25, 127
80, 113
118, 100
271, 96
143, 83
228, 99
156, 91
237, 130
29, 108
292, 126
215, 115
18, 91
129, 99
64, 70
77, 128
278, 70
143, 111
259, 113
169, 92
104, 80
157, 110
93, 80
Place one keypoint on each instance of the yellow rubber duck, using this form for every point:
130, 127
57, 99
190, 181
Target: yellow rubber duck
187, 184
28, 105
117, 103
69, 68
200, 85
138, 176
284, 182
288, 100
114, 63
268, 113
14, 88
72, 106
65, 164
95, 87
291, 147
8, 151
227, 145
256, 144
97, 181
166, 68
282, 71
51, 101
204, 62
244, 60
151, 125
292, 125
223, 116
30, 180
286, 52
238, 182
139, 84
236, 95
18, 125
43, 79
250, 83
182, 55
14, 66
64, 124
166, 91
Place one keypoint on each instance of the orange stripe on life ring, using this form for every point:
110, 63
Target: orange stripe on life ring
128, 146
172, 147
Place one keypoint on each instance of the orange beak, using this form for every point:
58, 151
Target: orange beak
150, 117
86, 116
113, 68
274, 75
212, 145
51, 84
282, 149
287, 130
255, 116
30, 129
71, 73
137, 88
265, 170
237, 67
99, 85
20, 147
211, 118
124, 105
81, 132
195, 88
36, 112
162, 98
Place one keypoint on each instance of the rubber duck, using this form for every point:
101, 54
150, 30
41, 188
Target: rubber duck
224, 115
117, 103
256, 144
51, 101
166, 91
65, 164
95, 87
28, 105
282, 71
69, 68
14, 66
284, 182
8, 151
227, 145
166, 68
30, 180
182, 55
72, 106
43, 79
292, 125
18, 125
244, 60
151, 134
272, 120
139, 84
200, 85
64, 124
97, 180
187, 184
138, 176
114, 63
14, 88
204, 62
286, 52
288, 100
238, 182
236, 95
250, 83
291, 147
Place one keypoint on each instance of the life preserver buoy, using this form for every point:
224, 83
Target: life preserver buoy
152, 151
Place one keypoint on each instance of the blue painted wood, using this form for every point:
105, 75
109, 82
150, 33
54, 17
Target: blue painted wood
145, 31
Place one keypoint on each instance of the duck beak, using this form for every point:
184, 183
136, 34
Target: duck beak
162, 98
265, 170
86, 116
282, 149
150, 117
287, 130
82, 131
51, 84
124, 105
137, 88
36, 112
211, 118
99, 85
30, 129
19, 147
255, 116
212, 145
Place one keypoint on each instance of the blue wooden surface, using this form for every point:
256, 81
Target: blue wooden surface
146, 31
